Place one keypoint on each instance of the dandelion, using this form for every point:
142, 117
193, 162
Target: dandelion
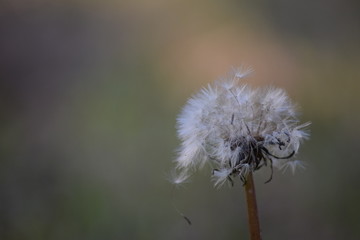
238, 130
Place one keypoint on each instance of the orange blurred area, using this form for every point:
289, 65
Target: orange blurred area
90, 92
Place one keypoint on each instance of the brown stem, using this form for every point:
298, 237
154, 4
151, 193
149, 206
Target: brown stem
254, 225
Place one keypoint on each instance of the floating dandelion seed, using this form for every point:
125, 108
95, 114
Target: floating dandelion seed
238, 129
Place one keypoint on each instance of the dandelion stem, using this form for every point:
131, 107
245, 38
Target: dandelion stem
254, 224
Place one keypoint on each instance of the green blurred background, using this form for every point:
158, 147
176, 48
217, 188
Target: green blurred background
90, 91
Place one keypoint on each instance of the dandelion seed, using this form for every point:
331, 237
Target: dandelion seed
293, 165
238, 130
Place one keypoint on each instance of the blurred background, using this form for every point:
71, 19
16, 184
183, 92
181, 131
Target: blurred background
90, 92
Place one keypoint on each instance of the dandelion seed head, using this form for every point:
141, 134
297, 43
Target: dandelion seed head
238, 130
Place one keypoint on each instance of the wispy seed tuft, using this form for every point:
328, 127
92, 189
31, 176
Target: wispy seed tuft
237, 130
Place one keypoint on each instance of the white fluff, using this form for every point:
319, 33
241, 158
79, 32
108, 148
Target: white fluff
237, 129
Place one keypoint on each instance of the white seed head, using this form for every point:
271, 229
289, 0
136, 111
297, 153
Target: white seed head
237, 129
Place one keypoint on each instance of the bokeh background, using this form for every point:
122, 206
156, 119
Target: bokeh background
90, 91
